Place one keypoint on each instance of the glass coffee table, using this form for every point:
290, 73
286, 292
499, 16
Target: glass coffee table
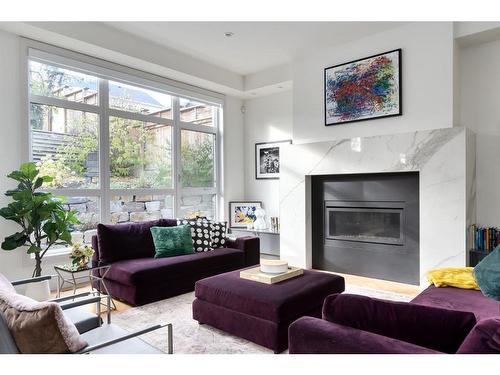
72, 275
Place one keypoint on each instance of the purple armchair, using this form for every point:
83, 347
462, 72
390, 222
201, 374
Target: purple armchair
359, 324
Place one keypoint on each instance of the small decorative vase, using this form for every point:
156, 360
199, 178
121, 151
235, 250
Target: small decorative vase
260, 223
82, 263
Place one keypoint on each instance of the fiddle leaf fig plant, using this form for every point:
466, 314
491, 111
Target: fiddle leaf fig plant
42, 217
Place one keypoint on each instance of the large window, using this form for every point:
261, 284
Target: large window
121, 148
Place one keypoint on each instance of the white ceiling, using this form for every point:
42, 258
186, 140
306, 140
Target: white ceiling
255, 46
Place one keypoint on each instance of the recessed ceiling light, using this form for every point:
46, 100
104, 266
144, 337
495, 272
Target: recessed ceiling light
228, 34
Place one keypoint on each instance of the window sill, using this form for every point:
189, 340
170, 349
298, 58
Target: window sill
56, 252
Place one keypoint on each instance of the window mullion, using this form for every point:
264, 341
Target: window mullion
198, 128
104, 150
64, 104
176, 175
138, 117
218, 164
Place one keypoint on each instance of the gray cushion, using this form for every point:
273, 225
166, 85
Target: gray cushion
7, 343
82, 319
109, 332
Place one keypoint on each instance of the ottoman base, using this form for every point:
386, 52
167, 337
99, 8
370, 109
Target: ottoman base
263, 332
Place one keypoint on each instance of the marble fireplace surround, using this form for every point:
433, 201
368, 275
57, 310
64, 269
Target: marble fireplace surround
445, 160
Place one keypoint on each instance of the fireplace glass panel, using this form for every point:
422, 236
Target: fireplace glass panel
376, 225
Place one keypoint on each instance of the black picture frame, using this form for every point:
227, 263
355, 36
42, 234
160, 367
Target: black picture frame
400, 83
258, 146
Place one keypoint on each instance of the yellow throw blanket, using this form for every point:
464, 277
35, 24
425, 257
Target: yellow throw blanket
459, 277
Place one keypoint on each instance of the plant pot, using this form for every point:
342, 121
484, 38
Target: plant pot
39, 291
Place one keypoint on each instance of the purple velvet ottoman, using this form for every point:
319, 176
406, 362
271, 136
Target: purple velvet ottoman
260, 312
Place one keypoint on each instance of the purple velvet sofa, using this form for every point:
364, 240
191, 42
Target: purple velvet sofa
137, 278
438, 320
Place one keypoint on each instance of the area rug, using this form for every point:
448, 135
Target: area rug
192, 338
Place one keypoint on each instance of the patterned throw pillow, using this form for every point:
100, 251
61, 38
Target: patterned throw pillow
200, 233
218, 234
200, 228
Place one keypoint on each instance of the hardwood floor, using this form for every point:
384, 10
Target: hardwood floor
120, 306
377, 284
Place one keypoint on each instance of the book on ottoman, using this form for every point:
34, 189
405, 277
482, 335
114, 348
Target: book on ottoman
256, 274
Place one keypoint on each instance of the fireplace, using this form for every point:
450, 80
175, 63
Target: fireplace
367, 225
370, 222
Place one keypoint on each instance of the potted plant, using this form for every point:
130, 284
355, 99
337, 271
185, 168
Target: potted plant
43, 219
80, 255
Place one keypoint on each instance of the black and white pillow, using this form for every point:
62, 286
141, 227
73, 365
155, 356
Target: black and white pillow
218, 234
200, 233
207, 235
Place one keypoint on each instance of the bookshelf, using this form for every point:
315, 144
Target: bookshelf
475, 256
481, 241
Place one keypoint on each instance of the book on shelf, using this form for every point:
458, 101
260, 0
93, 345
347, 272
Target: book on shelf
484, 239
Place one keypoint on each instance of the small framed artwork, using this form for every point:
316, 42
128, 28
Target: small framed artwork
242, 213
364, 89
267, 159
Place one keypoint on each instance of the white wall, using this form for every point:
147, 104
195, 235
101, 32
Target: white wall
233, 155
427, 73
480, 111
14, 264
17, 264
267, 119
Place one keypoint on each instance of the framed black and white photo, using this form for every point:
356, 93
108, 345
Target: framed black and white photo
267, 159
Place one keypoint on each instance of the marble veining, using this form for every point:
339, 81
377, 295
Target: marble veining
444, 158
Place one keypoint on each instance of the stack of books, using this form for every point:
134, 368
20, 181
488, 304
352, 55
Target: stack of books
483, 239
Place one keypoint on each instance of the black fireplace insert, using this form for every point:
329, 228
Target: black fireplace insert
367, 225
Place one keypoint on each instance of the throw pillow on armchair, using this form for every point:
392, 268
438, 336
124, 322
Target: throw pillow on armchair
487, 274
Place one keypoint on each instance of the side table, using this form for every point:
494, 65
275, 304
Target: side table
69, 274
269, 239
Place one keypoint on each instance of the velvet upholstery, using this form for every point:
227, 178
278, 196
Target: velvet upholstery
284, 301
459, 299
317, 336
430, 327
137, 278
438, 318
154, 271
483, 339
250, 246
128, 241
260, 312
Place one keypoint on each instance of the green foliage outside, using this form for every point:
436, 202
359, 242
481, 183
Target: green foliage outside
198, 163
136, 160
43, 219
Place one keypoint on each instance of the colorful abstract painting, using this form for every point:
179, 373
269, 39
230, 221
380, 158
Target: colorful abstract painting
363, 89
242, 213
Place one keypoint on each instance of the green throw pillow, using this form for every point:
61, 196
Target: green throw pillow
172, 241
487, 274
